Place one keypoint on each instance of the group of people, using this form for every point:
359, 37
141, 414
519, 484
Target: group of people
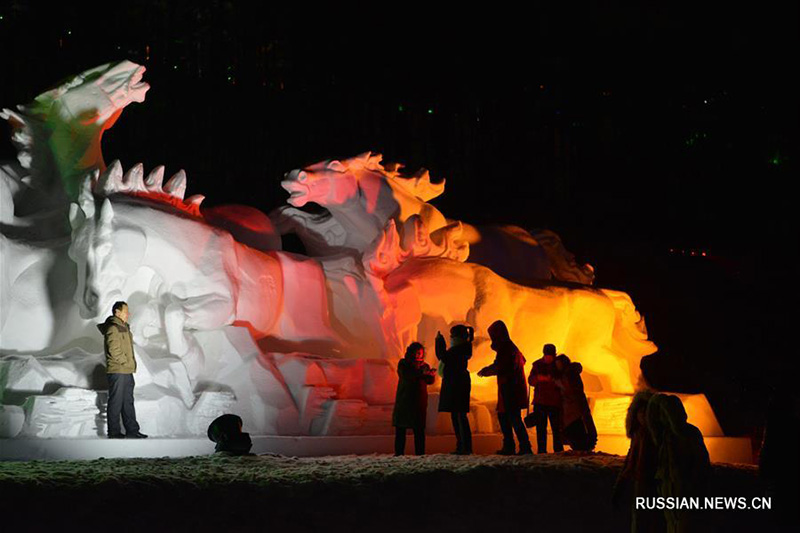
667, 455
411, 401
557, 384
558, 394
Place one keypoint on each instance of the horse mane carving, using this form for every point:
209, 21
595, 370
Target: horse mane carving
133, 183
391, 250
418, 184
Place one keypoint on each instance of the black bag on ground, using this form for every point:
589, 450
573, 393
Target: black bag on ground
532, 418
226, 431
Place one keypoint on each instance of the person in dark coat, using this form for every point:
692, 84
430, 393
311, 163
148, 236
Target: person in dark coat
411, 401
577, 425
120, 367
638, 475
456, 385
683, 467
512, 393
546, 399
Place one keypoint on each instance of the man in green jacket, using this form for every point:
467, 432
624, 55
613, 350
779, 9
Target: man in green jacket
120, 366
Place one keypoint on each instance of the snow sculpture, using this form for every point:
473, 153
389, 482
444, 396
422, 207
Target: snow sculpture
224, 321
361, 196
208, 280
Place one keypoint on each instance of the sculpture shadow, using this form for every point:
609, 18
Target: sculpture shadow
316, 347
212, 386
18, 397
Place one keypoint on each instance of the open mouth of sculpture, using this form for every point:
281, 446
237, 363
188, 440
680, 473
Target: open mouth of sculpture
298, 193
136, 79
138, 87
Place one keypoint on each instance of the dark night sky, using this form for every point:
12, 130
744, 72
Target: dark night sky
628, 130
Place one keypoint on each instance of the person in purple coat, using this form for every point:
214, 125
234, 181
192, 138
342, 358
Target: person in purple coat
577, 425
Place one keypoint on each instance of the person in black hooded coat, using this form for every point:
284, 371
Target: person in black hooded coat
456, 384
512, 391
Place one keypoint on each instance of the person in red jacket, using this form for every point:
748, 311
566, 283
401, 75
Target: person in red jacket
512, 393
546, 399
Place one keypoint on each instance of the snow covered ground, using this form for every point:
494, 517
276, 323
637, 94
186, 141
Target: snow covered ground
721, 449
344, 493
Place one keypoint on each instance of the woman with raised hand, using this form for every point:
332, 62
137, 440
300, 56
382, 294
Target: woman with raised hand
456, 384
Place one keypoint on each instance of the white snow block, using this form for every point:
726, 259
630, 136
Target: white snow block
70, 412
